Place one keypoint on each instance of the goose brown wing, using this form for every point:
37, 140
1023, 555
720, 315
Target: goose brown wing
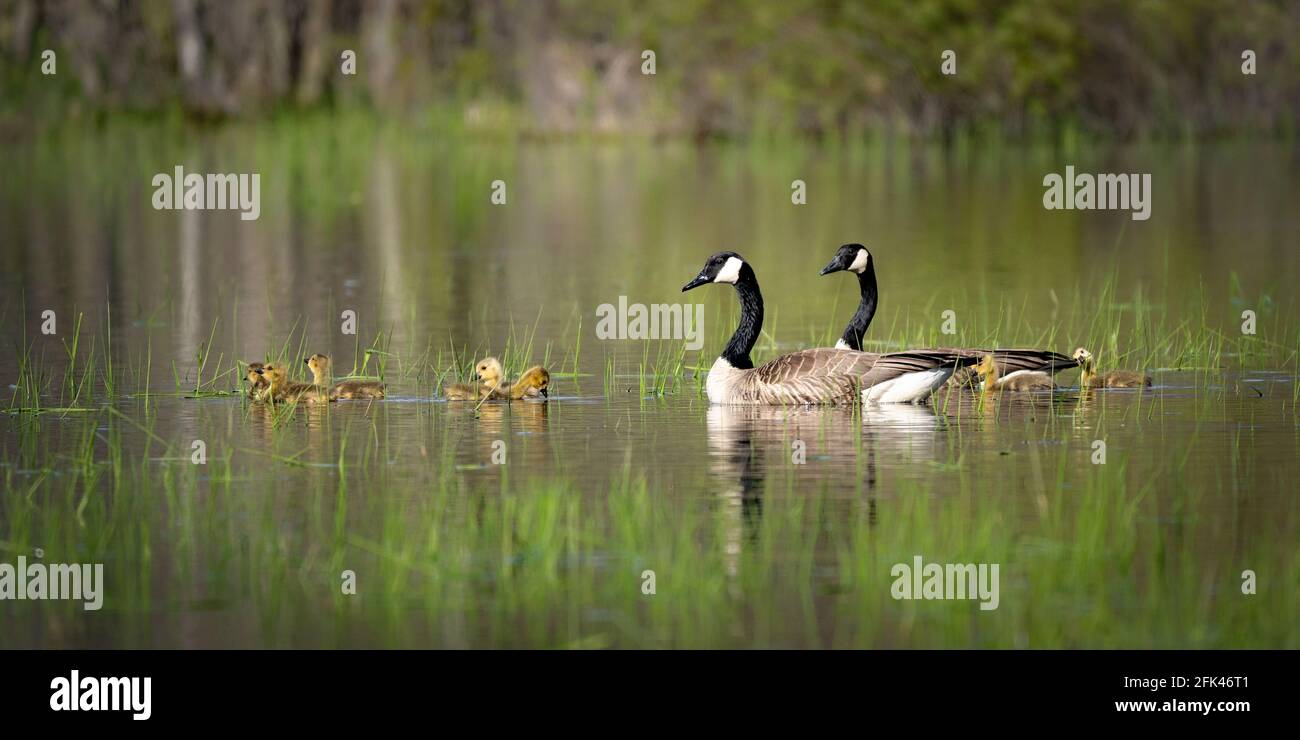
815, 362
820, 375
835, 375
1011, 360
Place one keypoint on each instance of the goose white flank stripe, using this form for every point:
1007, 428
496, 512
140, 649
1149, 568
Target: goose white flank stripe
1021, 374
909, 388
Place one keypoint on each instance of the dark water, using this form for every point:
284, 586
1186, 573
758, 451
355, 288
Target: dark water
749, 507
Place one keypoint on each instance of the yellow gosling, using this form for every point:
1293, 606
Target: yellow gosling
319, 365
489, 373
1020, 380
257, 382
1090, 378
283, 389
533, 383
346, 389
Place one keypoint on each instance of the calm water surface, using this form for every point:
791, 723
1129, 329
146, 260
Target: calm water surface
245, 551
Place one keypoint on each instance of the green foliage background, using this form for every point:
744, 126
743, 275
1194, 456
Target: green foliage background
732, 68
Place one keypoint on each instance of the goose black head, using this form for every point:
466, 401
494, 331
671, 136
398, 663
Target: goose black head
723, 267
851, 257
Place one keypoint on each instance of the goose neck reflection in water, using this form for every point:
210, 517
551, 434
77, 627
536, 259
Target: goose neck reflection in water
807, 444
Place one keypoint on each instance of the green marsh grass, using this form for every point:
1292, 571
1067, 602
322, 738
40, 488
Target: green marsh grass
549, 550
544, 561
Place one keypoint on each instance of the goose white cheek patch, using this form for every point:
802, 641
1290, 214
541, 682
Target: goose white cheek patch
859, 262
730, 272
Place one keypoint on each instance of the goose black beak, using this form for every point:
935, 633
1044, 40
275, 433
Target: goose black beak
306, 361
544, 393
699, 280
834, 266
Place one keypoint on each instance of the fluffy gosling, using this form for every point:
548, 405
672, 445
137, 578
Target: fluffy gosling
346, 389
1090, 378
1020, 380
283, 389
257, 382
489, 373
533, 383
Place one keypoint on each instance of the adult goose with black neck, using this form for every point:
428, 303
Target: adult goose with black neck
811, 376
857, 259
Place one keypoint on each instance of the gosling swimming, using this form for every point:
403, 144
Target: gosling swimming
489, 372
1020, 380
533, 383
1090, 378
257, 382
283, 389
346, 389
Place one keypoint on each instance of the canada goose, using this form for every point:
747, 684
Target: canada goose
320, 371
1020, 380
283, 389
490, 375
856, 258
533, 383
810, 376
257, 382
1090, 378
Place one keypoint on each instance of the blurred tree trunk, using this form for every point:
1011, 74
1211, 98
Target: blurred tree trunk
232, 56
311, 39
83, 29
268, 77
379, 49
20, 21
190, 55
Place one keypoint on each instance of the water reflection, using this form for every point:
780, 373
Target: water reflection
746, 442
735, 448
519, 427
416, 248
